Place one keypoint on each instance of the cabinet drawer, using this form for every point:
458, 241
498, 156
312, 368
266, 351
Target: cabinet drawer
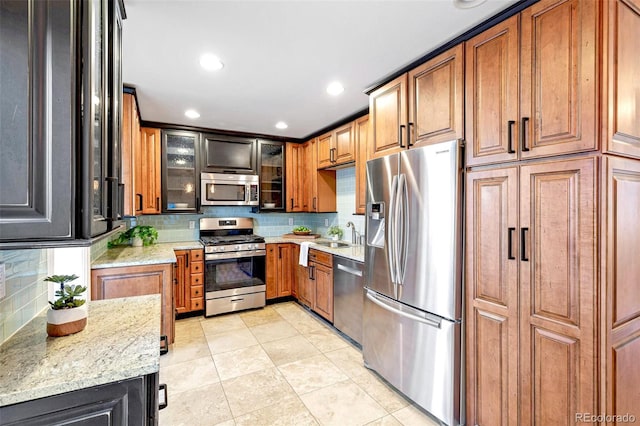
197, 255
197, 291
196, 267
197, 304
321, 257
197, 279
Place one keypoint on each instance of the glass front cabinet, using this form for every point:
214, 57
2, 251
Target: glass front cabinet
271, 170
180, 179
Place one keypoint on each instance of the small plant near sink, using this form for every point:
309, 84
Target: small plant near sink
68, 313
137, 236
335, 232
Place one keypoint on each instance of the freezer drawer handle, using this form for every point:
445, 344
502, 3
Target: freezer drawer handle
352, 271
384, 305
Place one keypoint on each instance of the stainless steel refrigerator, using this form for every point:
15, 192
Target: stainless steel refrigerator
412, 320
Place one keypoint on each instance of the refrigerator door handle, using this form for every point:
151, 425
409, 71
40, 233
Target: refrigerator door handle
385, 305
403, 219
391, 243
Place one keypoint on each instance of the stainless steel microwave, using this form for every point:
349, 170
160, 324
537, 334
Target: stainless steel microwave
217, 189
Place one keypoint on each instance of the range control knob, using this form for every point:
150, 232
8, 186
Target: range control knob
237, 248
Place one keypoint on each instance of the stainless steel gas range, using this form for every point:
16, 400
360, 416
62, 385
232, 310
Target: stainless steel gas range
234, 271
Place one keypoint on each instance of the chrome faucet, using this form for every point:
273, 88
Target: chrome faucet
354, 234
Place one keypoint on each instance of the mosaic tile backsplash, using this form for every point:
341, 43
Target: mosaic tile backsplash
26, 295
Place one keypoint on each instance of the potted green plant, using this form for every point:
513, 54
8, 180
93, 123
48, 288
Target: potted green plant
335, 232
68, 313
136, 236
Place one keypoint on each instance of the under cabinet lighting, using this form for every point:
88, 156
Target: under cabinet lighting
281, 125
192, 113
335, 88
210, 62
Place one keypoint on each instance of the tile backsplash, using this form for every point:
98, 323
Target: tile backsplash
26, 290
175, 227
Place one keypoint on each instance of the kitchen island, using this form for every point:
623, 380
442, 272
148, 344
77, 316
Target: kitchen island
116, 357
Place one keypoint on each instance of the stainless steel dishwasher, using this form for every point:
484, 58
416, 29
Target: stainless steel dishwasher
348, 296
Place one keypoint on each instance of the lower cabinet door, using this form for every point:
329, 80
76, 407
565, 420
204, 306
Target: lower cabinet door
323, 304
132, 402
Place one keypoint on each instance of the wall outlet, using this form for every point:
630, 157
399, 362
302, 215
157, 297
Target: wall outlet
326, 222
3, 290
192, 224
290, 221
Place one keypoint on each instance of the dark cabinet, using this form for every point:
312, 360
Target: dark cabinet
37, 120
228, 154
271, 169
180, 174
60, 70
128, 402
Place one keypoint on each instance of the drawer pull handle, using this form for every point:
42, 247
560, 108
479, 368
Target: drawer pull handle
236, 300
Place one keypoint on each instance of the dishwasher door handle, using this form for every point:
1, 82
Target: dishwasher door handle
352, 271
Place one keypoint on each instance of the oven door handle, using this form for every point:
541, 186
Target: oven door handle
235, 254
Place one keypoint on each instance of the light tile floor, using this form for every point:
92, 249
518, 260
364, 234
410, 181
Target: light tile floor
274, 366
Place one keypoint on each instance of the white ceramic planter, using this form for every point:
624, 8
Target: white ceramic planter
335, 237
136, 242
62, 322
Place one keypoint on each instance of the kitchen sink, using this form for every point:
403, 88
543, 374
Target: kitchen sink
332, 244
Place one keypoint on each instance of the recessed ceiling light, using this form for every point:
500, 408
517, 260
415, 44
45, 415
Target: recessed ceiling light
335, 88
467, 4
192, 113
281, 125
210, 62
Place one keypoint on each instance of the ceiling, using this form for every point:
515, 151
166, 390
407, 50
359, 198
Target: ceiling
278, 56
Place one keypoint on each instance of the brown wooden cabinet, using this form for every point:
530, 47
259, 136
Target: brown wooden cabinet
531, 282
621, 292
422, 107
388, 115
280, 275
436, 99
111, 283
130, 139
147, 171
315, 284
361, 137
621, 83
531, 88
295, 188
188, 281
308, 189
325, 145
337, 147
181, 282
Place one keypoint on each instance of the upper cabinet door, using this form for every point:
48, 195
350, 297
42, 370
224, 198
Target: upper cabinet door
180, 181
361, 136
147, 171
436, 99
558, 78
343, 150
492, 94
623, 33
271, 169
37, 192
325, 150
294, 177
388, 115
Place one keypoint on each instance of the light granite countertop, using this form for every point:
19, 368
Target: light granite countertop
121, 341
353, 252
149, 255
